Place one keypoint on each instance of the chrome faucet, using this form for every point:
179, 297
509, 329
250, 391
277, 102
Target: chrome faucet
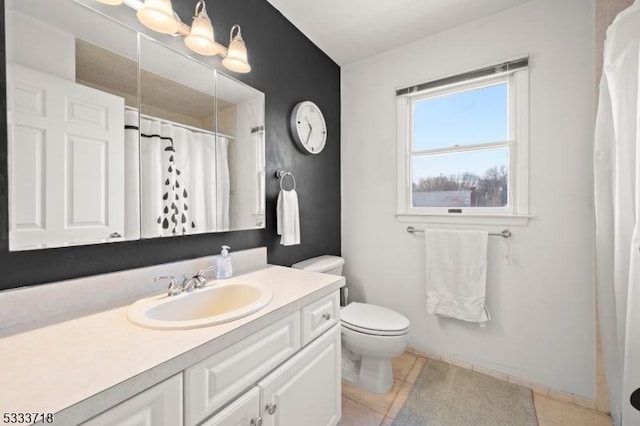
188, 283
196, 281
174, 288
202, 281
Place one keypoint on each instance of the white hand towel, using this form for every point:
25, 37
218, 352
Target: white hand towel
288, 219
456, 271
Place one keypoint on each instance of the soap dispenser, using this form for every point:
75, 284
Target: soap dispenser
224, 268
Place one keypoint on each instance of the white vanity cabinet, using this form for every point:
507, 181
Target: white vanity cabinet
287, 353
160, 405
286, 374
305, 390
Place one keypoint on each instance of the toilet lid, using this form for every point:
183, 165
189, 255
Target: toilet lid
373, 319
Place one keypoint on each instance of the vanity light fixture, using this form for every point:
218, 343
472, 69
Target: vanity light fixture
236, 59
200, 38
158, 15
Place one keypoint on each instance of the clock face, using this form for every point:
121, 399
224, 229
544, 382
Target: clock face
308, 127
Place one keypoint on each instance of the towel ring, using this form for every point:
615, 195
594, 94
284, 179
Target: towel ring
282, 174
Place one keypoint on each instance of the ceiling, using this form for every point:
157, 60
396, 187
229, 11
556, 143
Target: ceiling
350, 30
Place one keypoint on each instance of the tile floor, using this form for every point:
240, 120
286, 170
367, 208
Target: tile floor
361, 408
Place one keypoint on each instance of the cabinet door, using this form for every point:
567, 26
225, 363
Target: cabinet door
306, 389
244, 411
160, 405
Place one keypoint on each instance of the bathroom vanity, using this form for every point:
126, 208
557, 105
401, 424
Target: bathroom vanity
265, 368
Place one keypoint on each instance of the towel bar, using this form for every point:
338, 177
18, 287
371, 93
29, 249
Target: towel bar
281, 174
504, 234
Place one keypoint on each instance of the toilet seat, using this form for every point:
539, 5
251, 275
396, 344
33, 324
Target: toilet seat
373, 319
374, 332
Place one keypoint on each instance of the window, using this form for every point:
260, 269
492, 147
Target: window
462, 145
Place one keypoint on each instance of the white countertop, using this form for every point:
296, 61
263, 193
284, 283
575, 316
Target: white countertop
103, 359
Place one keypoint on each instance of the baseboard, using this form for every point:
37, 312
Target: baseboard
535, 387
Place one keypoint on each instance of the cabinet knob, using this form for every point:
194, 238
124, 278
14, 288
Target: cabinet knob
326, 316
256, 421
271, 408
115, 235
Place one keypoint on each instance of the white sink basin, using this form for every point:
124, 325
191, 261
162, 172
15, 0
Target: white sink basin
215, 304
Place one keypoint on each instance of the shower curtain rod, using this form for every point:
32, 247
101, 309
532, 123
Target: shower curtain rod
504, 234
185, 126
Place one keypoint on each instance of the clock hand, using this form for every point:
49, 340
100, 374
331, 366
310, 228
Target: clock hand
309, 135
310, 130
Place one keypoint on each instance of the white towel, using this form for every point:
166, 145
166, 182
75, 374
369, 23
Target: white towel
288, 218
456, 272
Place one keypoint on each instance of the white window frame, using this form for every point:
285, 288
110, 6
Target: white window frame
517, 211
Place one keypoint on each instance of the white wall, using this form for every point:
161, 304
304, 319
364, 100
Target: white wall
541, 297
40, 46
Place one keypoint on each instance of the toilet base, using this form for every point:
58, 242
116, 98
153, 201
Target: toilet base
376, 375
370, 374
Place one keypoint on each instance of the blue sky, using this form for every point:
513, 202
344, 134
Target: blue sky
471, 117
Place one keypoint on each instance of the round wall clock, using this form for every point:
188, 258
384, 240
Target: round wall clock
308, 127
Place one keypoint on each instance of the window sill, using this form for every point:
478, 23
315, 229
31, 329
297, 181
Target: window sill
465, 218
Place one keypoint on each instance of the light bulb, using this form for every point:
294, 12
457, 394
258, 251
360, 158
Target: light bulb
200, 39
236, 59
158, 16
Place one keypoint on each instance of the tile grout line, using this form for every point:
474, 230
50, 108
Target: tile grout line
402, 382
394, 398
385, 414
364, 406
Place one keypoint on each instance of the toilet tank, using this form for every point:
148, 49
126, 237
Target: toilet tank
326, 264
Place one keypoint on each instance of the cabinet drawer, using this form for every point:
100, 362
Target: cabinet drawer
242, 411
160, 405
218, 379
319, 316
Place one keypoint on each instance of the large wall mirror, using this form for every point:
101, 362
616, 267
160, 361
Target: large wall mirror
116, 134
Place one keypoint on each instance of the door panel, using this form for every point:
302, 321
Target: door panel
29, 183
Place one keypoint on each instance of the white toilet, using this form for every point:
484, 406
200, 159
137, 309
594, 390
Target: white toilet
371, 335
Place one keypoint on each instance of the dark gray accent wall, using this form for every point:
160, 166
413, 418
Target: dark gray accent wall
288, 68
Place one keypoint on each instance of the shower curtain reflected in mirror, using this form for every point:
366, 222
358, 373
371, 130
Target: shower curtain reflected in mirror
184, 180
